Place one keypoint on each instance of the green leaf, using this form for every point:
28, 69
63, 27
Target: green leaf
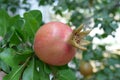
42, 73
8, 57
101, 76
13, 58
46, 69
16, 21
4, 67
114, 25
31, 72
21, 58
64, 6
98, 53
108, 72
87, 55
66, 74
15, 39
117, 71
33, 20
113, 61
107, 30
4, 22
16, 72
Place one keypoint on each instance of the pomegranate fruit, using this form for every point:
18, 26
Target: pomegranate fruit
86, 68
55, 43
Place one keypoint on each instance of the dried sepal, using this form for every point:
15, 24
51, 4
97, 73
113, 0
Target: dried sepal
77, 38
84, 42
77, 45
78, 29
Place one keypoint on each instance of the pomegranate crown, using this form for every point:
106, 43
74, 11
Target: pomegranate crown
77, 38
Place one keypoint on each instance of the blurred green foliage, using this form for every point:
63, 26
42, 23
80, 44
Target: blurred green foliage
16, 53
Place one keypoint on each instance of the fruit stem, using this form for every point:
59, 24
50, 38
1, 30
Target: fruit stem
76, 38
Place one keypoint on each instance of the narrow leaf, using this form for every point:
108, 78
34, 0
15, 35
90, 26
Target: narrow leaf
31, 72
4, 22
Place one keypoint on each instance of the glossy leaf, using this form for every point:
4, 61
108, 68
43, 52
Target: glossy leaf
66, 74
15, 74
42, 71
4, 22
12, 58
4, 67
8, 57
33, 20
31, 72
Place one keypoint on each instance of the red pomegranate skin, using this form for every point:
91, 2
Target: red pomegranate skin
51, 44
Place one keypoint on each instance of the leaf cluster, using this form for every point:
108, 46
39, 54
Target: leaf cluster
17, 58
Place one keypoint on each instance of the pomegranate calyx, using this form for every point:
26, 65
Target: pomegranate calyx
77, 38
